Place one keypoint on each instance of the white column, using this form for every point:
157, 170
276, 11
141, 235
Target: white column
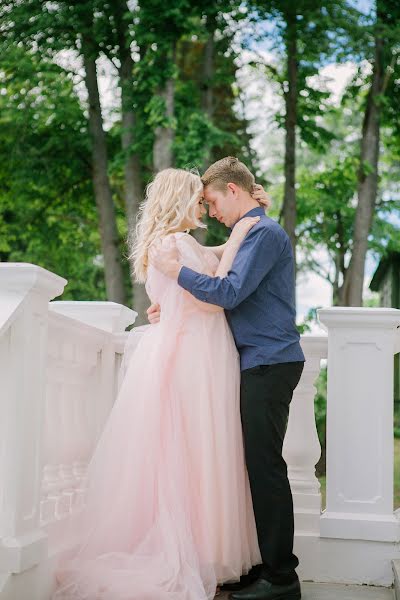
25, 291
301, 448
361, 345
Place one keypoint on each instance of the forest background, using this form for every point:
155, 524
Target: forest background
97, 96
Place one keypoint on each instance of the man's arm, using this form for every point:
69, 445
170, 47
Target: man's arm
256, 256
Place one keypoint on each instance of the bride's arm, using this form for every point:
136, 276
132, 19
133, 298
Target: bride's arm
231, 247
218, 250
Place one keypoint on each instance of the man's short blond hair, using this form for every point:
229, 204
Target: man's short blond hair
228, 170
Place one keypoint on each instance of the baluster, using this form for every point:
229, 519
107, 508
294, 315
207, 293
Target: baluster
301, 448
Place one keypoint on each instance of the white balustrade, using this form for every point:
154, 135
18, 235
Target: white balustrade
110, 317
60, 368
81, 385
71, 383
58, 371
359, 478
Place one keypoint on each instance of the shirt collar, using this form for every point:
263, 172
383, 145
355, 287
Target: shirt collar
257, 211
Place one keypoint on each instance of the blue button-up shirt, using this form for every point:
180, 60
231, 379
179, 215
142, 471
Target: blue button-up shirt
258, 295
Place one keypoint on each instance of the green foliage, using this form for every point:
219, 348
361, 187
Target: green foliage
310, 319
47, 210
326, 212
320, 416
322, 28
155, 110
197, 134
47, 214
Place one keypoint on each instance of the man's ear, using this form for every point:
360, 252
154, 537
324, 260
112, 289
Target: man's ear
233, 188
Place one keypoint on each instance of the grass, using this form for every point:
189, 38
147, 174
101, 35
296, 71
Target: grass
396, 496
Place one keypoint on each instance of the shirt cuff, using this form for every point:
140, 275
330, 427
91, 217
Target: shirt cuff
186, 278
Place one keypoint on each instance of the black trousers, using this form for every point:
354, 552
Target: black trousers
265, 396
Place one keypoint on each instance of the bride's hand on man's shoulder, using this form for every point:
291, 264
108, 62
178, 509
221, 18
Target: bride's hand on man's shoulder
261, 195
242, 228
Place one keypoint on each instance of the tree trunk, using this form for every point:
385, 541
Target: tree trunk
207, 96
340, 268
164, 135
367, 184
133, 182
207, 103
207, 90
102, 191
335, 285
134, 191
289, 200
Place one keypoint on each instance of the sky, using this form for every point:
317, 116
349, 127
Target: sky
364, 6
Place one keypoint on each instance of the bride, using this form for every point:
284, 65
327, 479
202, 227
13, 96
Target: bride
168, 513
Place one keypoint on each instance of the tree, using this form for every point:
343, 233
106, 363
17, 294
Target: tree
47, 214
383, 58
49, 28
198, 133
117, 42
304, 35
160, 26
327, 214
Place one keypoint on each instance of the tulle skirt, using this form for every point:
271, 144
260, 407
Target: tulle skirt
168, 511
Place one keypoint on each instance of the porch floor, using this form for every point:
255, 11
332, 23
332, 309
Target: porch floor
330, 591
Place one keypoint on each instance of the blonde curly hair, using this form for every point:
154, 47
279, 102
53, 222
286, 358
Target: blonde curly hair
169, 206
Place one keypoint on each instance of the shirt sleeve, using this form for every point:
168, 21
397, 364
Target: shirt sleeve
256, 256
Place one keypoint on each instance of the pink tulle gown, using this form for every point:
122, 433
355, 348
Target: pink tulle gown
168, 514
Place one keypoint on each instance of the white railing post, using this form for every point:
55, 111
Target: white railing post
359, 483
301, 448
25, 291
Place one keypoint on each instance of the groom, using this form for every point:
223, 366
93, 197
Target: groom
258, 295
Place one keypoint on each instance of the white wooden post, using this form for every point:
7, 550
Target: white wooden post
361, 345
25, 291
301, 448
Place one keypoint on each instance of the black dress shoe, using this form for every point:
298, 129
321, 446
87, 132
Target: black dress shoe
265, 590
237, 585
245, 580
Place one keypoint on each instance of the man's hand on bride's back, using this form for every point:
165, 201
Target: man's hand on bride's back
164, 256
241, 229
153, 313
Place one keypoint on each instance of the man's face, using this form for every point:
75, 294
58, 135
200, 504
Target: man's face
222, 205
